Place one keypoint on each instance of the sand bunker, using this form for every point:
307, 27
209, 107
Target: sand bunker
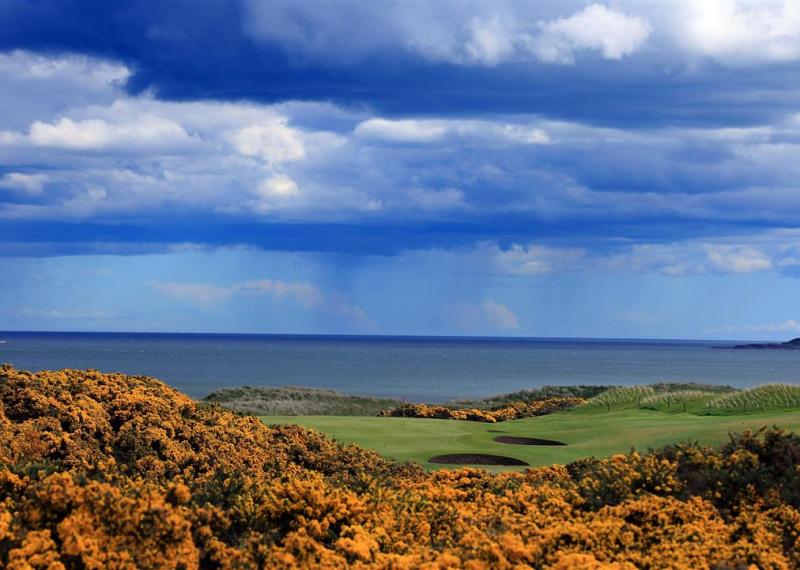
516, 440
475, 459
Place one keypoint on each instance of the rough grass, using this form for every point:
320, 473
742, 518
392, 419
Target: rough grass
680, 401
292, 401
766, 397
690, 396
621, 397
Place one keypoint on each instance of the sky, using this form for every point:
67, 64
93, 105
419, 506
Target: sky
492, 168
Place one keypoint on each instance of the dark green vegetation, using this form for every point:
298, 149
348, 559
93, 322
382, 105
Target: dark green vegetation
291, 401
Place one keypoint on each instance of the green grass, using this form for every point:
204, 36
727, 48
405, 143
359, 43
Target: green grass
588, 432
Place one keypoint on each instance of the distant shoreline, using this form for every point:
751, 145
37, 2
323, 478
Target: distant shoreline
793, 344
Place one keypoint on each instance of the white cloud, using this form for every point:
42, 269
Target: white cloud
402, 130
235, 158
489, 42
774, 251
431, 200
533, 259
274, 142
61, 314
89, 71
690, 257
737, 259
305, 294
596, 28
198, 293
461, 33
281, 161
34, 86
208, 295
486, 317
435, 130
727, 256
743, 32
504, 36
788, 326
28, 183
274, 192
151, 133
499, 316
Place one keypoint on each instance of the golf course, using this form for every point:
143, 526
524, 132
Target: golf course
585, 431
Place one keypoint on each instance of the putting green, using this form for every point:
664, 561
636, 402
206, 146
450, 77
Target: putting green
586, 433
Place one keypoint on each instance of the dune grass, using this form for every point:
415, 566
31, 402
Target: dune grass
761, 398
680, 401
621, 397
588, 432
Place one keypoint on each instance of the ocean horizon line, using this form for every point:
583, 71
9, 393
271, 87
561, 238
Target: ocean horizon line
357, 336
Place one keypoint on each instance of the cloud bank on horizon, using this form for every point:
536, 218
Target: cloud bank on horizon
451, 167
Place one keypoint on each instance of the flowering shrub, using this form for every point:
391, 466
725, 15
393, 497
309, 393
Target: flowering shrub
113, 471
512, 411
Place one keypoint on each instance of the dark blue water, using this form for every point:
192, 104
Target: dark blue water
417, 368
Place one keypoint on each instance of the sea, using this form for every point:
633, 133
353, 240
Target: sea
426, 369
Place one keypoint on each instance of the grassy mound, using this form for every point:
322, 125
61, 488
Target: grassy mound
663, 396
111, 471
680, 401
621, 397
291, 401
767, 397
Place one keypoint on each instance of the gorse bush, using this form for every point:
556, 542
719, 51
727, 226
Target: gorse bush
110, 471
767, 397
512, 411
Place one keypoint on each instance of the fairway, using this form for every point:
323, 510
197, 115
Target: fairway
587, 433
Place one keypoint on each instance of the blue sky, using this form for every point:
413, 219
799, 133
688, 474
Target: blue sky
618, 169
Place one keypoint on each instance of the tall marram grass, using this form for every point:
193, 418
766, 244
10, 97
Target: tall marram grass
675, 400
621, 396
766, 397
